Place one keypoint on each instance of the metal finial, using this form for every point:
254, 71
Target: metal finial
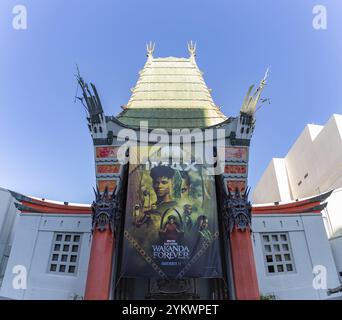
150, 48
263, 81
192, 48
266, 73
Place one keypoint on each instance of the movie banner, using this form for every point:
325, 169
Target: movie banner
171, 227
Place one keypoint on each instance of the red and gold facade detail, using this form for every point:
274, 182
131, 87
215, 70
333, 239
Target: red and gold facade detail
235, 169
240, 185
106, 152
103, 184
107, 168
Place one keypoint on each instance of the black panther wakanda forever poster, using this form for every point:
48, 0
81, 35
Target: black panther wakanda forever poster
171, 227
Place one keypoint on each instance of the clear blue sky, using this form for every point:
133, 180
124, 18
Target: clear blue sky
45, 147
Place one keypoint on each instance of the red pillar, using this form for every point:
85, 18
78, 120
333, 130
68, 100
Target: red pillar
243, 264
100, 265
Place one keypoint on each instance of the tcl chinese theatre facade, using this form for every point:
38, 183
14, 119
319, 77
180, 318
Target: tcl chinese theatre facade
171, 217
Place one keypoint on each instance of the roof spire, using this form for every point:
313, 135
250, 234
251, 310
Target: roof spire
250, 102
192, 50
90, 99
150, 49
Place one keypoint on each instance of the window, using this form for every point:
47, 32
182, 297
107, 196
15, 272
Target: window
65, 253
277, 253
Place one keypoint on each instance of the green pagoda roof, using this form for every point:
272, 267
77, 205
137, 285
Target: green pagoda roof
171, 93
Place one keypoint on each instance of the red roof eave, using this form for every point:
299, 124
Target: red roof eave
32, 205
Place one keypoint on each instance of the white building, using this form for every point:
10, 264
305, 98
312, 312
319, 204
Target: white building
31, 242
311, 167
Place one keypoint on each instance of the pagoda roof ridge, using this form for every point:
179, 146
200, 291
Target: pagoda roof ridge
172, 58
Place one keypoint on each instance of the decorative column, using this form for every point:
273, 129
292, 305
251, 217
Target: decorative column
106, 215
237, 218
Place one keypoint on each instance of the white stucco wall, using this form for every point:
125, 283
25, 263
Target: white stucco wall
310, 247
319, 156
313, 165
336, 246
275, 181
8, 217
32, 247
268, 180
333, 214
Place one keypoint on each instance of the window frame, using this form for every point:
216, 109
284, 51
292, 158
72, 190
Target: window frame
62, 253
274, 253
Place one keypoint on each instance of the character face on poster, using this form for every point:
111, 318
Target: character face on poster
171, 228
